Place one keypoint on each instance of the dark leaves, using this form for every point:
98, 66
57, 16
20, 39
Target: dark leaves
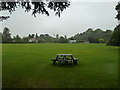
36, 7
4, 18
118, 10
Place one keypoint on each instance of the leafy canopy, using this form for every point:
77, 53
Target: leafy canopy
115, 38
40, 6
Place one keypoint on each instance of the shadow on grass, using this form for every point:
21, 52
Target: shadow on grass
58, 64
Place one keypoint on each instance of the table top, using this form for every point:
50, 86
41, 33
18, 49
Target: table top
64, 54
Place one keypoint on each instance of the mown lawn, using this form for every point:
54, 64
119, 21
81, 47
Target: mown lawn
30, 66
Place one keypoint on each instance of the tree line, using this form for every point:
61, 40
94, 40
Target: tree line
31, 38
93, 36
90, 35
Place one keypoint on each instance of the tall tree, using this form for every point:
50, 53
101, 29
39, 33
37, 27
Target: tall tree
65, 36
117, 8
57, 36
17, 38
6, 37
115, 38
33, 36
36, 36
29, 36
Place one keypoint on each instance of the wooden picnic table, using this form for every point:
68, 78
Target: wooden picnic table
64, 58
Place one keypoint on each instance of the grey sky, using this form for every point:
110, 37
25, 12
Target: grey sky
76, 19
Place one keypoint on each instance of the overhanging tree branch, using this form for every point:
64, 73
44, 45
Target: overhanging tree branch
117, 8
35, 7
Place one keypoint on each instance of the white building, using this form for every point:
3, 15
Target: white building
86, 42
33, 40
72, 41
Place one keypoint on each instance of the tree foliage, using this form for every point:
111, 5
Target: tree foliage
97, 36
117, 8
17, 38
40, 7
63, 39
92, 36
6, 36
115, 38
31, 38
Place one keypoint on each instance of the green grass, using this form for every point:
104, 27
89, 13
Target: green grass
30, 66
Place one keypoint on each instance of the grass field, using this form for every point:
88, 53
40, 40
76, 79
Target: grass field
30, 66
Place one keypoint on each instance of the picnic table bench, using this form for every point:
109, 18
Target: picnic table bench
64, 58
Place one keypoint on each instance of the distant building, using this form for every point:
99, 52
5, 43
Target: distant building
86, 42
33, 40
13, 41
72, 41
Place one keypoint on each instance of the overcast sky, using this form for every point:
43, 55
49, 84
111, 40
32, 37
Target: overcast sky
76, 19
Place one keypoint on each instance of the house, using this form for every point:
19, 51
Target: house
86, 42
33, 40
72, 41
